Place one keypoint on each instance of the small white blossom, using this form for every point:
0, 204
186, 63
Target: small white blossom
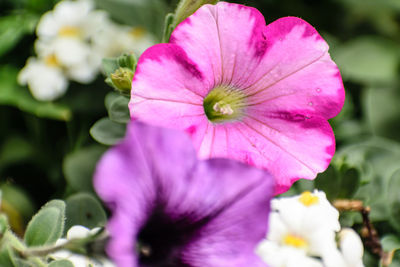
44, 78
302, 231
78, 231
78, 61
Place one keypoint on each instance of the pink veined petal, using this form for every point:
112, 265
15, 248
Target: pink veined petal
168, 88
300, 145
223, 39
296, 71
284, 69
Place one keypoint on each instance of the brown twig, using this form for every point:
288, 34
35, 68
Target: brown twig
368, 231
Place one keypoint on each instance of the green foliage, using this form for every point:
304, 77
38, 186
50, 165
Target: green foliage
107, 132
13, 94
46, 146
368, 59
61, 263
79, 167
84, 209
13, 28
47, 225
390, 243
118, 110
119, 72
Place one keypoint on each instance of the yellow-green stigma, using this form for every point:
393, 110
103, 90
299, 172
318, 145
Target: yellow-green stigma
224, 104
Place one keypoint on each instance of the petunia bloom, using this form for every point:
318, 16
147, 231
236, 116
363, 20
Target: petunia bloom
169, 209
243, 90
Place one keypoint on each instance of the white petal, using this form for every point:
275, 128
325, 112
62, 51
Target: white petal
45, 83
351, 247
71, 51
48, 26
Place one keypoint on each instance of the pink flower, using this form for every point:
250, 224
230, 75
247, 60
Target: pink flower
258, 94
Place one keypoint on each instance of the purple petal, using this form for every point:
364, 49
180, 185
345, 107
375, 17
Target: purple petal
157, 168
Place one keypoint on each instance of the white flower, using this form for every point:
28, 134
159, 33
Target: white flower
116, 39
66, 32
44, 78
78, 231
308, 211
71, 19
285, 256
302, 231
77, 59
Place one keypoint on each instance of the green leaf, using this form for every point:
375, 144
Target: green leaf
84, 209
390, 243
109, 65
13, 28
79, 166
110, 97
61, 263
393, 199
47, 225
14, 95
22, 263
14, 149
329, 182
6, 257
118, 110
368, 59
17, 204
107, 132
382, 112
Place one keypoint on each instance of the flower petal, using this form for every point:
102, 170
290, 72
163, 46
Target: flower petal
296, 72
238, 197
291, 85
227, 200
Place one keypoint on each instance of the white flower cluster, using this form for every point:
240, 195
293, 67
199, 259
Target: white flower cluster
304, 232
72, 40
79, 231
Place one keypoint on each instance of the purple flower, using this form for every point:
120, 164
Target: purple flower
169, 209
243, 90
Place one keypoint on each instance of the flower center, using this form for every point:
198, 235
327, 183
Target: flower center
69, 31
294, 241
51, 60
137, 32
161, 240
308, 199
224, 104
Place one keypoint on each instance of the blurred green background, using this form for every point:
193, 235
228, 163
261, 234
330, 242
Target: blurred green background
46, 150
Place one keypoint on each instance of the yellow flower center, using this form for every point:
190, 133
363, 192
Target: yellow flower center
51, 60
137, 32
69, 31
308, 199
224, 104
294, 241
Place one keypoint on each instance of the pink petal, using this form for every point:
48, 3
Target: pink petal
291, 83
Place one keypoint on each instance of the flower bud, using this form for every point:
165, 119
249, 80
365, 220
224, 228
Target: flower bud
127, 61
351, 247
122, 79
